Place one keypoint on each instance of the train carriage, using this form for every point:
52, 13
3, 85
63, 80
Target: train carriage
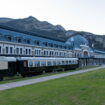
7, 66
37, 65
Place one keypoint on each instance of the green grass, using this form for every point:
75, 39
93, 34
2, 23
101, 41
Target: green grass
20, 78
82, 89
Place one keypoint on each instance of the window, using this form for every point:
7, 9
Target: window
30, 63
26, 51
35, 52
45, 43
29, 51
25, 64
37, 63
51, 44
36, 42
43, 63
0, 49
60, 46
28, 41
25, 40
49, 63
9, 38
17, 50
65, 47
19, 40
56, 45
20, 50
11, 50
6, 50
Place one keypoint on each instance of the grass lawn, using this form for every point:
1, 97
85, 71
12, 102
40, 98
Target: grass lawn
82, 89
20, 78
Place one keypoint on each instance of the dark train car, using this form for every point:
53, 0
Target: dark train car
38, 65
10, 66
7, 66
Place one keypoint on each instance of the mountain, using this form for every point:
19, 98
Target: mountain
4, 20
31, 24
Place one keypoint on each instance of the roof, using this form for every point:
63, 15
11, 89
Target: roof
29, 33
77, 40
6, 59
99, 51
45, 58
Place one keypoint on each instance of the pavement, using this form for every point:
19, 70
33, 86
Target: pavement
42, 79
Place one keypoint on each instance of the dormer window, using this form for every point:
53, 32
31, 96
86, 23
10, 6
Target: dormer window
55, 45
9, 38
51, 44
19, 40
28, 41
1, 35
60, 46
37, 42
45, 43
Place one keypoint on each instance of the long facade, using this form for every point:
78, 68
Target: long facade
16, 43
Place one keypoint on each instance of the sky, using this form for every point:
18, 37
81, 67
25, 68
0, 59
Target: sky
80, 15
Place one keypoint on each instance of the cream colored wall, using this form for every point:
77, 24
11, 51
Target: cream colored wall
3, 65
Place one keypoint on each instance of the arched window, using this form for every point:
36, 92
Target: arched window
85, 54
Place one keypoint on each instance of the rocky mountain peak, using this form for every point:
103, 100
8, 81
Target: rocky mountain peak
31, 18
59, 27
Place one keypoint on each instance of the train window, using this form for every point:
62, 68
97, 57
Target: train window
66, 62
43, 63
69, 62
58, 62
30, 63
25, 64
49, 63
37, 63
63, 63
6, 50
54, 62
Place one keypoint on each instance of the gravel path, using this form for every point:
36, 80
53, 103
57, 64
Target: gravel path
42, 79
